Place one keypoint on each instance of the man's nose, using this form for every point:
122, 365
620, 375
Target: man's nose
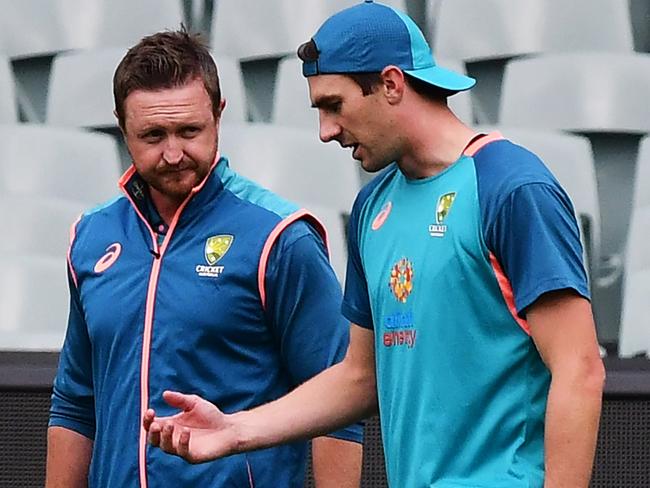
329, 129
173, 152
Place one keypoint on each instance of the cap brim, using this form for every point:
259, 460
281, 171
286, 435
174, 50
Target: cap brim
443, 78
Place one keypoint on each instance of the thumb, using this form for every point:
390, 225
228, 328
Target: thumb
179, 400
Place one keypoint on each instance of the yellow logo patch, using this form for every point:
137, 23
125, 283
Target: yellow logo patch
216, 247
444, 206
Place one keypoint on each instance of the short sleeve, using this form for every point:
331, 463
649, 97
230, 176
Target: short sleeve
73, 394
356, 301
536, 239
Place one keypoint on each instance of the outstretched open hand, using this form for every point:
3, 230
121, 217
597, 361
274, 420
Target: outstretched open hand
199, 433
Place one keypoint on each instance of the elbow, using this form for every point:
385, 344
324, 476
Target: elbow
364, 383
595, 376
591, 379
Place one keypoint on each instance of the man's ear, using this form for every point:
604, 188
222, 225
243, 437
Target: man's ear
393, 84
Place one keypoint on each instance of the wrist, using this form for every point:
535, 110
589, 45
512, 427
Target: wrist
242, 440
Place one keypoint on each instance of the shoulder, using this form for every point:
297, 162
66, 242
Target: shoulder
253, 196
502, 167
95, 218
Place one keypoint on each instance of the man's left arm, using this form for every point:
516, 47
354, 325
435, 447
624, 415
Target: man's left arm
562, 327
304, 302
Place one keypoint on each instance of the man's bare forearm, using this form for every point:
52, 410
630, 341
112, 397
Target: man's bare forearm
572, 418
339, 396
68, 458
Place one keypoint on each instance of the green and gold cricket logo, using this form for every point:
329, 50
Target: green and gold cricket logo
443, 208
216, 247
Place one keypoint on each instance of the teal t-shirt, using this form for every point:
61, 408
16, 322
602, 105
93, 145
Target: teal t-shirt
443, 269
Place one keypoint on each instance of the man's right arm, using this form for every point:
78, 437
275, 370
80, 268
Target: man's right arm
68, 458
72, 416
339, 396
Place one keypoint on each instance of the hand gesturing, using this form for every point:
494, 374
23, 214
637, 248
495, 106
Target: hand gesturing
199, 433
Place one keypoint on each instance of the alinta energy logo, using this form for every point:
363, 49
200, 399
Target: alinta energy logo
400, 326
216, 247
443, 207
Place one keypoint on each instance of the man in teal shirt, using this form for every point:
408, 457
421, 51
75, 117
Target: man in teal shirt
465, 288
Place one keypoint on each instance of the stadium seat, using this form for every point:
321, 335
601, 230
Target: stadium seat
81, 88
486, 33
640, 15
31, 32
582, 92
635, 319
473, 30
292, 163
41, 161
8, 113
33, 302
291, 106
569, 158
84, 80
37, 226
244, 29
125, 22
35, 28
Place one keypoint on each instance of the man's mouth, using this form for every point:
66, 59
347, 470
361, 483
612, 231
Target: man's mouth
354, 147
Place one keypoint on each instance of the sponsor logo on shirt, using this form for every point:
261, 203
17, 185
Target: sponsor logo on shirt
443, 207
216, 247
107, 260
400, 326
401, 279
400, 330
381, 217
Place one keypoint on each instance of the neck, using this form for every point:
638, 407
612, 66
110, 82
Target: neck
165, 204
435, 140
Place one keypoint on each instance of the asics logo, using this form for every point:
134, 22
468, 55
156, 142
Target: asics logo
107, 260
382, 216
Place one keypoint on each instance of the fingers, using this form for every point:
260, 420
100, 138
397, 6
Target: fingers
154, 434
167, 439
184, 444
148, 418
152, 427
179, 400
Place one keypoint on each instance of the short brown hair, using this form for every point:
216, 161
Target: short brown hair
165, 60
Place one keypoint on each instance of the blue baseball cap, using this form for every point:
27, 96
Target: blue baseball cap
370, 36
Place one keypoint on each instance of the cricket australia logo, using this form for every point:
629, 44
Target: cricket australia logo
443, 208
216, 247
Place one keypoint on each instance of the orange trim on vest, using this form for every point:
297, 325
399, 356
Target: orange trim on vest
273, 237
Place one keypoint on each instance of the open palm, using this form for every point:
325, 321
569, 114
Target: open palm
199, 433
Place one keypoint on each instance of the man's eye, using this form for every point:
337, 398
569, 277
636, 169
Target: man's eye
335, 107
153, 135
190, 131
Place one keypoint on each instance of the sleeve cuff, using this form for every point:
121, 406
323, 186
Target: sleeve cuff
356, 317
85, 429
548, 286
352, 433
